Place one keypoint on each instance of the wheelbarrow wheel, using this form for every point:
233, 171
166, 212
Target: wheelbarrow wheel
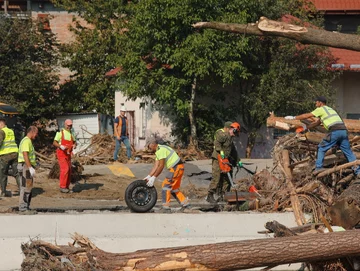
139, 197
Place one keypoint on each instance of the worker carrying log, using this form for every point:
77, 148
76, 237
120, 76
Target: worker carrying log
167, 157
337, 133
224, 148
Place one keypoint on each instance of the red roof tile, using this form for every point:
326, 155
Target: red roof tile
350, 59
337, 5
113, 72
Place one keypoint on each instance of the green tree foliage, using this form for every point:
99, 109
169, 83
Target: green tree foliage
92, 54
164, 55
172, 63
199, 78
27, 76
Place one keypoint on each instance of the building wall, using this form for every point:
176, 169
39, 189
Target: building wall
348, 93
60, 22
147, 120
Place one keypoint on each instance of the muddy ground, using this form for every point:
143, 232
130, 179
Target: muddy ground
93, 191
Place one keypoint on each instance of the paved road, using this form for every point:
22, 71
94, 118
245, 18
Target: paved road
141, 170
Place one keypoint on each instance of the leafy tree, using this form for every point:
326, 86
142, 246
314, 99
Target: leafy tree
176, 65
27, 75
179, 67
92, 54
290, 78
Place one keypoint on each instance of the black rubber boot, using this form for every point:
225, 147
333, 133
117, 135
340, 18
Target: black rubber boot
210, 198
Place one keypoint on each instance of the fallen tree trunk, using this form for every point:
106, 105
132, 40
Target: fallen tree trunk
353, 126
299, 215
221, 256
305, 35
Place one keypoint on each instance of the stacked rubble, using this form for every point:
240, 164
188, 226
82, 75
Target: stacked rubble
292, 184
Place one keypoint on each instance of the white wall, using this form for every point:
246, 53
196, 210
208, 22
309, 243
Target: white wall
84, 126
147, 121
348, 93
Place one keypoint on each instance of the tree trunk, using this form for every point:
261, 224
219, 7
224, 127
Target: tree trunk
353, 126
221, 256
250, 144
193, 133
295, 203
345, 211
305, 35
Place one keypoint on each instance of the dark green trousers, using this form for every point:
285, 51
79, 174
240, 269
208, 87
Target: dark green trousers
7, 160
219, 182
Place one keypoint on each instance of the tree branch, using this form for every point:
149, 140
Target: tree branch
305, 35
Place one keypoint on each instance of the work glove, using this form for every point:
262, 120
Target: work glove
222, 154
147, 177
240, 164
290, 117
32, 171
151, 181
62, 147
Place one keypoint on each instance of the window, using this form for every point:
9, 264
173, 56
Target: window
353, 116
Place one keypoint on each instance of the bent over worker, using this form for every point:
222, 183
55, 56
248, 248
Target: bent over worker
337, 133
65, 142
26, 166
225, 148
167, 157
8, 156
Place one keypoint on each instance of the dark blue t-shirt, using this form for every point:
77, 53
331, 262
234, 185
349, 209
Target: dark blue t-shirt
123, 125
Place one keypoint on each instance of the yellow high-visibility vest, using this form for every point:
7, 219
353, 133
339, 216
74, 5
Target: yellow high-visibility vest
331, 118
9, 144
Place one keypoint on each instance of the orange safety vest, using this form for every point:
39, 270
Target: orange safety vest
119, 126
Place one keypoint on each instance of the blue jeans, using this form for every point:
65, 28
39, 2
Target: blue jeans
340, 138
126, 141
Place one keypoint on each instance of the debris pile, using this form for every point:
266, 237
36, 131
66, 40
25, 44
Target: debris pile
102, 146
99, 151
292, 184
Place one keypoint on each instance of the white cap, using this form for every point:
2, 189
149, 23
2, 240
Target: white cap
123, 108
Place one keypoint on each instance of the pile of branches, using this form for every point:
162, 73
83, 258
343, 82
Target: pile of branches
99, 151
293, 184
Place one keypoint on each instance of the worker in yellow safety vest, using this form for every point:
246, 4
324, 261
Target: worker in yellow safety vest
8, 156
337, 133
167, 157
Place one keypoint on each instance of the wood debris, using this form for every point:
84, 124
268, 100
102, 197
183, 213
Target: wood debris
325, 251
292, 185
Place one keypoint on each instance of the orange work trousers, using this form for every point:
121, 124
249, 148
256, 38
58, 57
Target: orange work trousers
171, 185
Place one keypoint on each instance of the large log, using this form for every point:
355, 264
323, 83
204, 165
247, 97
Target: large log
353, 126
305, 35
345, 211
295, 203
221, 256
